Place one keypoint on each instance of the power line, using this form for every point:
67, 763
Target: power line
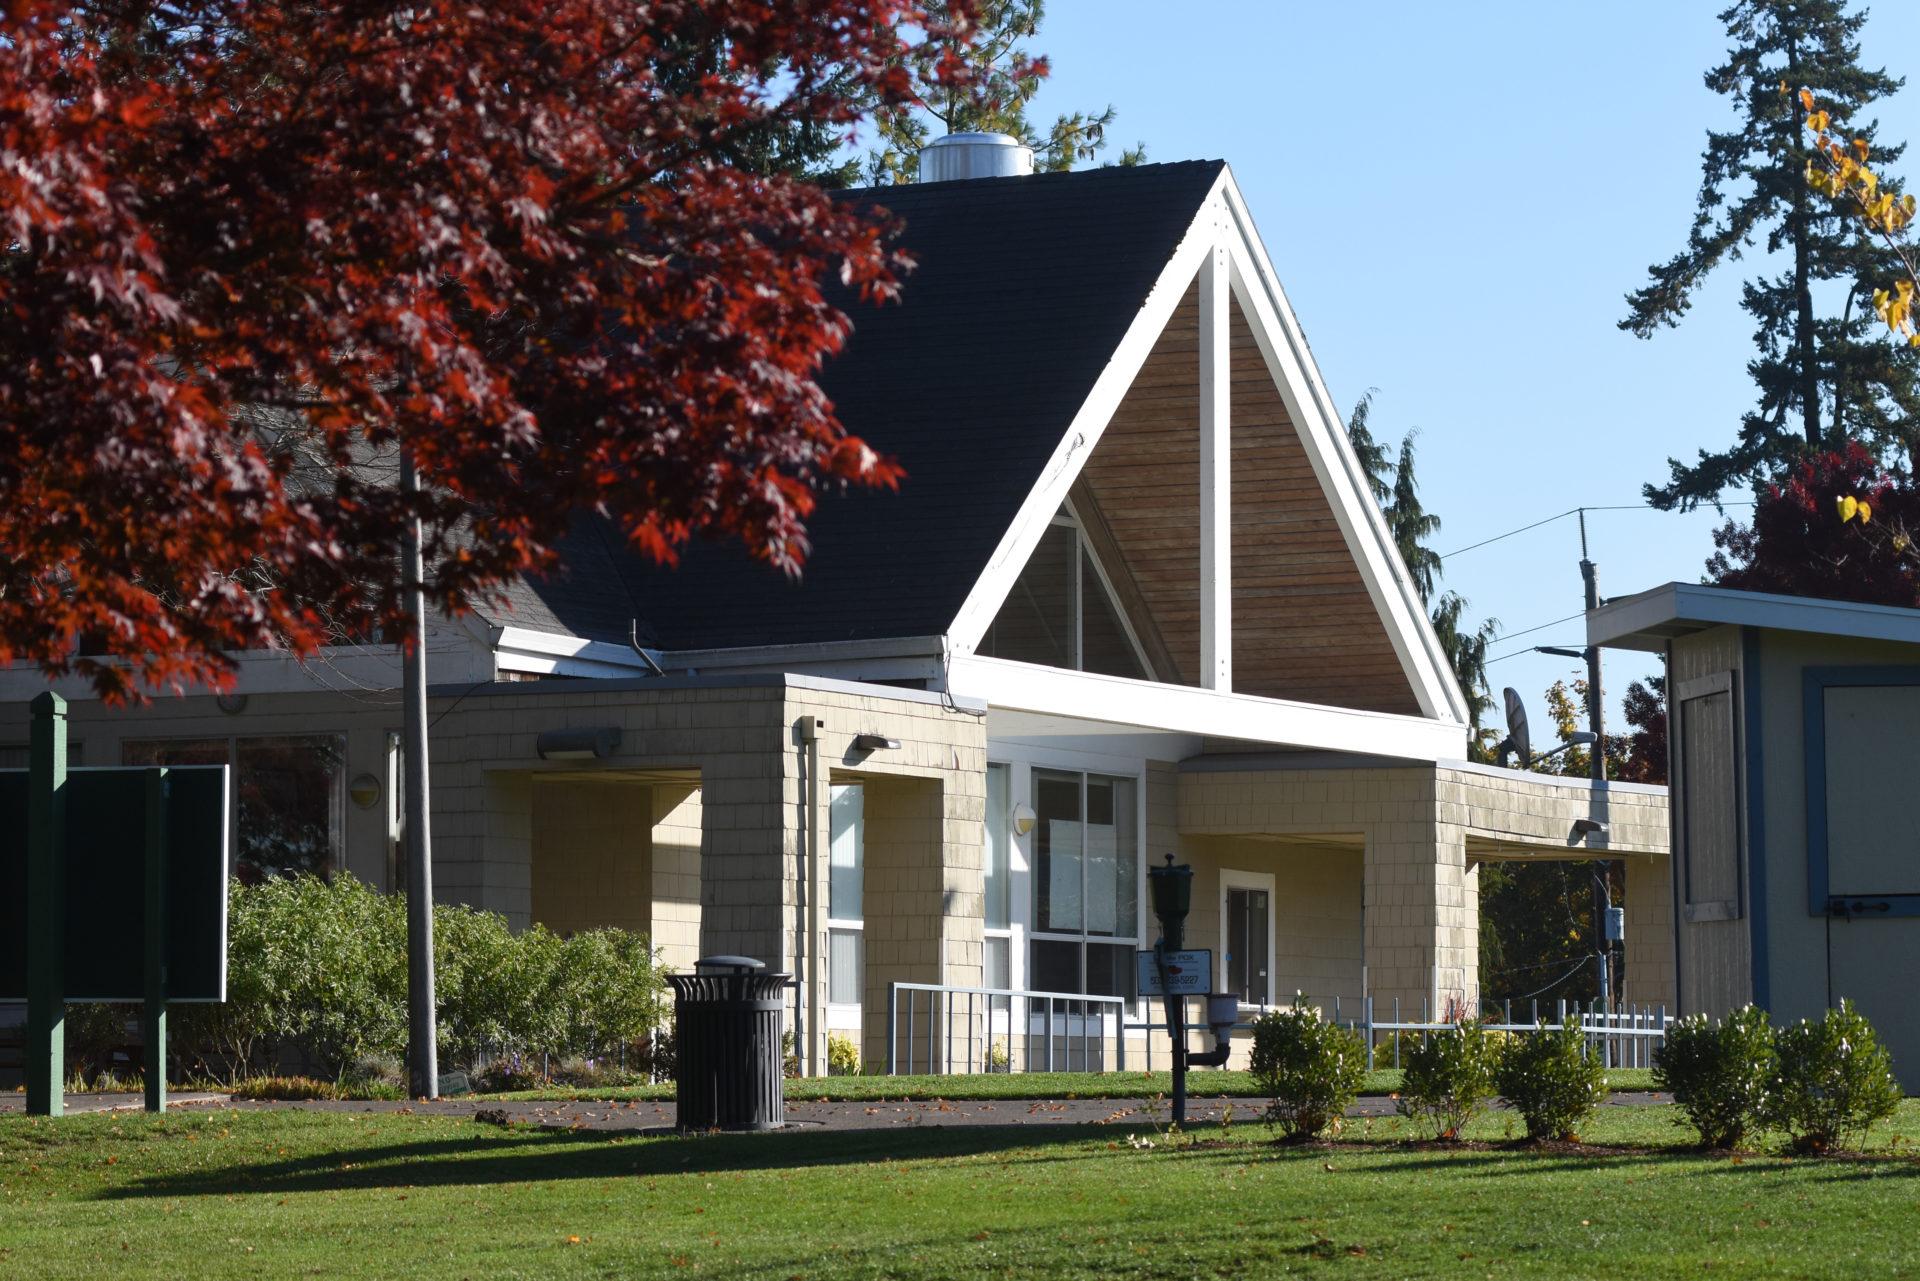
1507, 636
1571, 511
1516, 653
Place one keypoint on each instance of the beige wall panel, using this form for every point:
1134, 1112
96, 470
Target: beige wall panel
592, 856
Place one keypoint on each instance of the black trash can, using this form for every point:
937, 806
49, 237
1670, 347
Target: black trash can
727, 1031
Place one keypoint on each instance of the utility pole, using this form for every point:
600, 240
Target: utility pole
423, 1067
1596, 721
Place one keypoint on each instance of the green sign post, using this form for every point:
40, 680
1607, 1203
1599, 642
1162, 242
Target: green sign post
144, 852
154, 969
46, 907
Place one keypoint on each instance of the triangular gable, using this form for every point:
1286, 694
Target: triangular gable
1322, 610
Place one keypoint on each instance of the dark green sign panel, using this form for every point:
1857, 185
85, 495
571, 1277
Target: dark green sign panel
106, 884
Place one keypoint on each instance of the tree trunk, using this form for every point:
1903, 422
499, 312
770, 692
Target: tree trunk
1798, 228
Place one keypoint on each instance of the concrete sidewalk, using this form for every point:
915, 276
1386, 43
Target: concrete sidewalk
658, 1117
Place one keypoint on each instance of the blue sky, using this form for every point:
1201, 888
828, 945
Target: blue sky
1457, 198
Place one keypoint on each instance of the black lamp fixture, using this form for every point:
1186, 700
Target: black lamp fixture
578, 744
875, 743
1171, 891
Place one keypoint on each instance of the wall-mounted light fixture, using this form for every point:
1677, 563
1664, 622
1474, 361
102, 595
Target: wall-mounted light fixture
578, 744
1589, 827
1023, 819
875, 743
364, 791
231, 704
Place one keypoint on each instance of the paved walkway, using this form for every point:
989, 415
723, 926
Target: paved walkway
652, 1117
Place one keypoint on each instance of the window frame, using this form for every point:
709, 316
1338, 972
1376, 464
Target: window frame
1237, 879
1029, 899
1083, 556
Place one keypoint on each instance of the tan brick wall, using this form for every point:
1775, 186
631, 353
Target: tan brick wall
675, 816
592, 855
1318, 945
1650, 970
925, 817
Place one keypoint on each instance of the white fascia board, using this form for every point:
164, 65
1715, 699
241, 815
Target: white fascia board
545, 653
1323, 435
1647, 620
1083, 433
1184, 709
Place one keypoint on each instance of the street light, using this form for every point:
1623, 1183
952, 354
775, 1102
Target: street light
1171, 891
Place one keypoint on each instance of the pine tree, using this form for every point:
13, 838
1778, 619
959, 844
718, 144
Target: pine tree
1395, 488
1005, 78
1823, 372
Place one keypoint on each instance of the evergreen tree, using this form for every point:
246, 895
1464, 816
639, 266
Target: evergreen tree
1005, 76
1412, 524
1395, 488
1824, 376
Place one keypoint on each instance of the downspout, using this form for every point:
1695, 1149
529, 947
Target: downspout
809, 885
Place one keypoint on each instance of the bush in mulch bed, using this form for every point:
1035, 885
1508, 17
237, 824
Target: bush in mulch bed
1312, 1070
1448, 1080
1834, 1080
1551, 1081
1718, 1073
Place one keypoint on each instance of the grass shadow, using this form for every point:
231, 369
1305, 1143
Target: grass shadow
522, 1154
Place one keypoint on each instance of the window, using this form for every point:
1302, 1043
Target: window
20, 755
289, 794
1086, 878
1246, 910
995, 877
846, 858
1061, 613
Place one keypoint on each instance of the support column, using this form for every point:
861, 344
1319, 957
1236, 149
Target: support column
1420, 937
1216, 458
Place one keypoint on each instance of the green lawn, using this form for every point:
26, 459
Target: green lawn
276, 1193
1018, 1085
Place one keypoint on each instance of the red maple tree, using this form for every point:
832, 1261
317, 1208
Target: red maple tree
1800, 545
250, 250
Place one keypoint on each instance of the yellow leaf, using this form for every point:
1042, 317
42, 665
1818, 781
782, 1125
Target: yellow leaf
1817, 121
1806, 96
1860, 148
1866, 513
1847, 505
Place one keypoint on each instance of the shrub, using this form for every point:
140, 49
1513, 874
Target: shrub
1312, 1070
1833, 1081
843, 1056
1550, 1080
316, 973
1448, 1079
1718, 1074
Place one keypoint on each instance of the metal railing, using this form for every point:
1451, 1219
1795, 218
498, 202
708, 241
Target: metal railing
980, 1029
1624, 1038
1002, 1030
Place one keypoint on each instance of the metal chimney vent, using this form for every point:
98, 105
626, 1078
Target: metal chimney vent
974, 155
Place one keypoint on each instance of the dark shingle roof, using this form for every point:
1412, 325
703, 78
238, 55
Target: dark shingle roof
1024, 288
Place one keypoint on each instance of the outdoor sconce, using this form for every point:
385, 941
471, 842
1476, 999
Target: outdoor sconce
1589, 827
577, 744
364, 791
1024, 819
875, 743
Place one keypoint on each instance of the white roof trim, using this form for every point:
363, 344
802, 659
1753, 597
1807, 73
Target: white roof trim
520, 649
1323, 434
1115, 700
1650, 619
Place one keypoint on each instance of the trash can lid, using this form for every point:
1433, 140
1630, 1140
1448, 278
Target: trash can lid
728, 965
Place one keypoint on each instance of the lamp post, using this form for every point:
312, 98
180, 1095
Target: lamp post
1170, 889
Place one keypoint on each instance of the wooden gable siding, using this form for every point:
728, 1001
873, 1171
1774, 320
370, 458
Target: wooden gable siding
1304, 626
